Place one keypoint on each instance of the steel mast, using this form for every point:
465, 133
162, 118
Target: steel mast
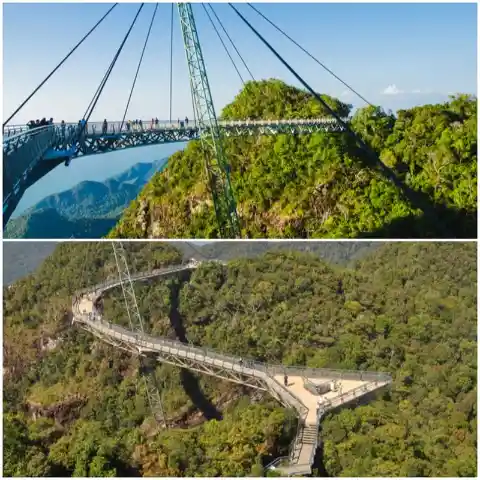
136, 324
216, 165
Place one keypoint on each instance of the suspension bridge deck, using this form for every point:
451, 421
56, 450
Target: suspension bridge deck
29, 154
311, 392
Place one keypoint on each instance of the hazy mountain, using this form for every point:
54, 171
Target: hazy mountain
20, 258
88, 210
48, 223
332, 252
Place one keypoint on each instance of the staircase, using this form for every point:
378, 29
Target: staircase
303, 451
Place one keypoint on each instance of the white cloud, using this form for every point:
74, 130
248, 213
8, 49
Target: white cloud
392, 90
346, 93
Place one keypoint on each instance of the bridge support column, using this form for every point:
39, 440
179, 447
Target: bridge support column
217, 167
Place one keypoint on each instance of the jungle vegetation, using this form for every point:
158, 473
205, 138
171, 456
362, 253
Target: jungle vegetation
323, 184
73, 405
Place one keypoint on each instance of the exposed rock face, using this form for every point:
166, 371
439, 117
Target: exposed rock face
62, 412
49, 344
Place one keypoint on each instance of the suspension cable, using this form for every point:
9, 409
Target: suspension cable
139, 65
84, 267
96, 92
413, 196
171, 62
222, 42
100, 86
295, 74
197, 250
109, 71
309, 54
59, 65
231, 41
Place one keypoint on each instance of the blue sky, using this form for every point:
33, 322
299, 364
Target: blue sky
396, 55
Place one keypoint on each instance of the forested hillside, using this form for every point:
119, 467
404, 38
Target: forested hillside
323, 185
332, 252
72, 406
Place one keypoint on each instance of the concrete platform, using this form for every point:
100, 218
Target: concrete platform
85, 305
296, 386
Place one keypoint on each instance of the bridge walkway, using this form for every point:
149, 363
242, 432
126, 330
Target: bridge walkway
306, 390
29, 154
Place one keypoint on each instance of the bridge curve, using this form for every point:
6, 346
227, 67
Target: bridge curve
29, 154
311, 392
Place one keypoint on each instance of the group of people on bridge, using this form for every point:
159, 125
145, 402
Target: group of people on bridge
138, 126
39, 123
129, 126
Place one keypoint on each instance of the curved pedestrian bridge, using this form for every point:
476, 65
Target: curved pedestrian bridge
31, 153
312, 392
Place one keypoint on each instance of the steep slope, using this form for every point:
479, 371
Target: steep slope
322, 185
72, 407
88, 210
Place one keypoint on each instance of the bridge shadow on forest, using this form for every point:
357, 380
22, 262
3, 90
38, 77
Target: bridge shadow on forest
436, 221
441, 222
189, 381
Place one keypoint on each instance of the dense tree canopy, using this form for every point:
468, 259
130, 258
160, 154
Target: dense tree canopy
324, 185
73, 404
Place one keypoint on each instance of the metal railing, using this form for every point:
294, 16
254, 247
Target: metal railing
270, 369
203, 355
245, 365
341, 400
18, 139
327, 373
101, 287
21, 152
115, 126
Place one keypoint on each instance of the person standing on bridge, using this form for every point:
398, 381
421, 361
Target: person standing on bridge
186, 121
140, 123
156, 122
104, 127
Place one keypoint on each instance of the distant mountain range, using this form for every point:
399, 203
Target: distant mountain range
336, 252
88, 210
23, 258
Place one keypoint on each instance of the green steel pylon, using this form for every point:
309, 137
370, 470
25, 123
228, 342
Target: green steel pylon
136, 324
134, 316
216, 165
